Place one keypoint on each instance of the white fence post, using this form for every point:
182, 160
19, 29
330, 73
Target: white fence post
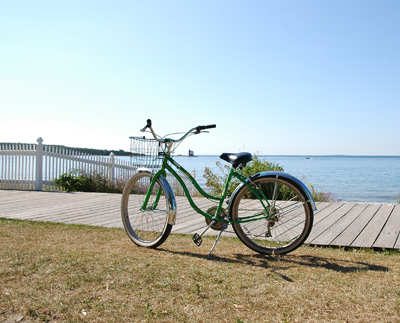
39, 165
112, 166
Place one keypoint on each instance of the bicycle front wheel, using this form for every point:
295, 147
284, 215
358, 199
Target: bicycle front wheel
146, 225
289, 221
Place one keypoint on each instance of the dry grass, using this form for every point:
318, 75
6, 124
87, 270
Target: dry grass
69, 273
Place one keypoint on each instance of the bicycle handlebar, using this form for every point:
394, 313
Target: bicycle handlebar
197, 130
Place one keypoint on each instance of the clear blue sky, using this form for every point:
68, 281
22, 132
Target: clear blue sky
277, 77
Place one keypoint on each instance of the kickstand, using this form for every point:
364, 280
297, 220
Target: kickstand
224, 226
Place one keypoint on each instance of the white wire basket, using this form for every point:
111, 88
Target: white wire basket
146, 152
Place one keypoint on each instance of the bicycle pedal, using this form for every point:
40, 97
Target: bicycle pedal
197, 239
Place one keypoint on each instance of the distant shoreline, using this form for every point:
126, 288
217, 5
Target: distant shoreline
120, 152
91, 151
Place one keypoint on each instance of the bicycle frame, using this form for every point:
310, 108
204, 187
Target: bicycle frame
280, 194
232, 174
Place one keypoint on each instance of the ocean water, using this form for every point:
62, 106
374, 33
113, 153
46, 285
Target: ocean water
372, 179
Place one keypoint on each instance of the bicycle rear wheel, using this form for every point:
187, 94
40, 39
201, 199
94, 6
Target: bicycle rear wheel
149, 227
290, 221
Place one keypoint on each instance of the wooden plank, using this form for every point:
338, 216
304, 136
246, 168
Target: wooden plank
201, 203
189, 225
197, 224
8, 196
322, 213
24, 201
71, 208
184, 209
371, 231
320, 206
64, 210
389, 235
344, 219
349, 234
328, 221
189, 221
187, 218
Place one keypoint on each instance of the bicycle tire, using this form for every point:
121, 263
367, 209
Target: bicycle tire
292, 222
148, 228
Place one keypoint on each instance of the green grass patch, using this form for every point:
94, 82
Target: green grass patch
75, 273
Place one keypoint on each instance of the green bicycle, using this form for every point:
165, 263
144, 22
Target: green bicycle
270, 212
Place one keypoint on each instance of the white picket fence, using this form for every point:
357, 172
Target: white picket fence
35, 166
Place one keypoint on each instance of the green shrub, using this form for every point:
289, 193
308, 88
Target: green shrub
216, 182
80, 181
320, 196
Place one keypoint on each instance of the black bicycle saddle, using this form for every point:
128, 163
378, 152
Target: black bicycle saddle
237, 159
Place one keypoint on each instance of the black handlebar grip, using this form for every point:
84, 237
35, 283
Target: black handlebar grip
199, 128
147, 125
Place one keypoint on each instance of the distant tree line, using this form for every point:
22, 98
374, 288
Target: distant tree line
100, 152
91, 151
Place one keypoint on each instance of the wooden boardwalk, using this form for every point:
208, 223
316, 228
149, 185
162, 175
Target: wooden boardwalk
345, 224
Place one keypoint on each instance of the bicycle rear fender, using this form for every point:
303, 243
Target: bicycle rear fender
168, 192
289, 177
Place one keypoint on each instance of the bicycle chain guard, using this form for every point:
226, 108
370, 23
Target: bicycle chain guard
218, 225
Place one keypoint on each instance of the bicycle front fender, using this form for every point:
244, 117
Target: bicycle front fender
171, 200
169, 192
289, 177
